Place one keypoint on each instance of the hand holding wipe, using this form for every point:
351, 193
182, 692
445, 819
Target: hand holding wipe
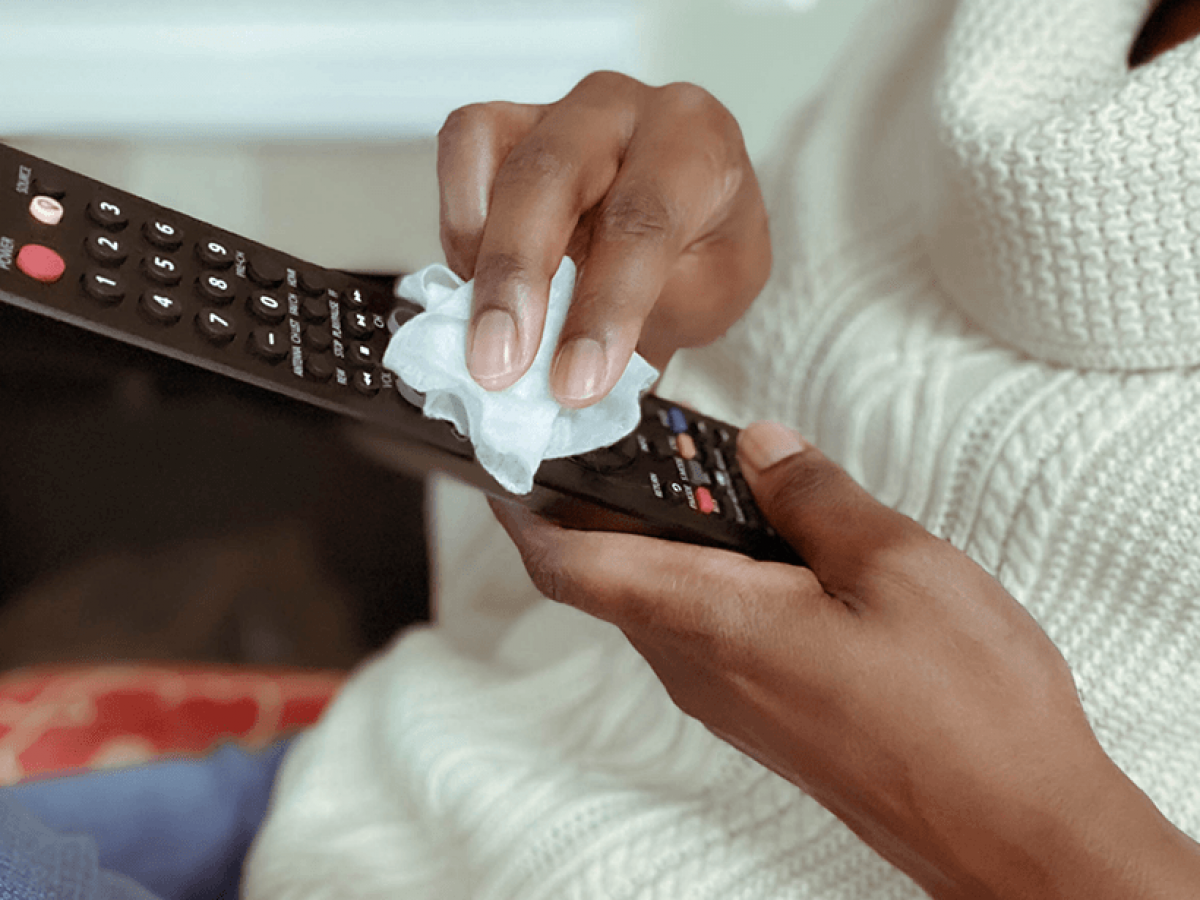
514, 429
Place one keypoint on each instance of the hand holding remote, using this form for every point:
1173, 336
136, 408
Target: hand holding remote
894, 681
651, 192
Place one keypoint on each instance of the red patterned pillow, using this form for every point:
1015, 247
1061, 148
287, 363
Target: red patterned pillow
53, 720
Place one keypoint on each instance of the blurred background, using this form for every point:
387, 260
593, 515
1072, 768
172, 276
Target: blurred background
152, 513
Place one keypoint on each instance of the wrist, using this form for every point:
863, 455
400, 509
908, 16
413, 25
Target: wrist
1099, 838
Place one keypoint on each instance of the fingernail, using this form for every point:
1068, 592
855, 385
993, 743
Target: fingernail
579, 370
493, 353
763, 444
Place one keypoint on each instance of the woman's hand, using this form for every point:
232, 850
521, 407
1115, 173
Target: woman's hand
648, 189
894, 681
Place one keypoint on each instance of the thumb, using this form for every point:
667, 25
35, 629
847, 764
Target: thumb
839, 529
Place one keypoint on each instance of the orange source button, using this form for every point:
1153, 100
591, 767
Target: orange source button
41, 263
687, 447
704, 500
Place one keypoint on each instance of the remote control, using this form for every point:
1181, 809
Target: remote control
81, 252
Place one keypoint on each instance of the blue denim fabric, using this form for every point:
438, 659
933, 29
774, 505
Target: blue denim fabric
180, 828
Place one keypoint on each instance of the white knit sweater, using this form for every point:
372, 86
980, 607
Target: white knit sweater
986, 305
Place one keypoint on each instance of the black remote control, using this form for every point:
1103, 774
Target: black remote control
81, 252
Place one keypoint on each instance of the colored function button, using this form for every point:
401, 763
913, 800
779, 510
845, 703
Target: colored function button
267, 308
46, 210
268, 343
106, 249
704, 501
677, 420
164, 234
264, 270
104, 287
41, 263
685, 445
215, 287
160, 307
162, 269
108, 213
215, 325
214, 254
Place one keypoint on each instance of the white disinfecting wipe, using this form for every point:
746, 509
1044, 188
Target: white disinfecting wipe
512, 430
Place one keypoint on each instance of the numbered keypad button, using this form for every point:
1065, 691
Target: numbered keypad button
215, 287
162, 269
214, 254
161, 307
106, 249
268, 343
318, 337
267, 308
366, 382
265, 270
361, 354
354, 298
318, 366
163, 233
104, 287
216, 325
359, 325
108, 214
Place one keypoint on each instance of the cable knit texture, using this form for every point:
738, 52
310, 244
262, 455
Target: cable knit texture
985, 307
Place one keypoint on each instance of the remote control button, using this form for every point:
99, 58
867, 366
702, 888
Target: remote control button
162, 269
268, 344
214, 254
265, 270
46, 210
41, 263
358, 325
267, 308
104, 287
315, 309
361, 354
163, 233
318, 338
312, 281
677, 419
677, 493
354, 298
696, 474
704, 501
215, 287
366, 382
217, 326
106, 249
685, 445
160, 307
318, 366
49, 186
108, 214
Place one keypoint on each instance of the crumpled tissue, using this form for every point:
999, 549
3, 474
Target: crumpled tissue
512, 430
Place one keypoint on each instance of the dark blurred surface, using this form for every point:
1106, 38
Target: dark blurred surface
151, 510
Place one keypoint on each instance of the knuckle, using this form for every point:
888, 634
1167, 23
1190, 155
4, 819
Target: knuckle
607, 83
637, 214
466, 121
533, 163
503, 266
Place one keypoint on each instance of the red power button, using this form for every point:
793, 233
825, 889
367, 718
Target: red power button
41, 263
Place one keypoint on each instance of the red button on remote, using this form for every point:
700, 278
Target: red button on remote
41, 263
704, 500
